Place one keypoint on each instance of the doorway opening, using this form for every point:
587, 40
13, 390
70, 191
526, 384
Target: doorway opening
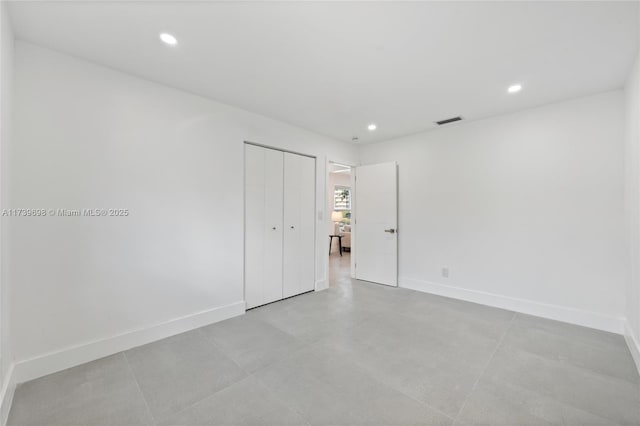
340, 226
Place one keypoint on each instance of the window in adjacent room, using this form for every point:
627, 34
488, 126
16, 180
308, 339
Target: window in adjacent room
341, 198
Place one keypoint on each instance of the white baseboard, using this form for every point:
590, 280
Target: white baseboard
69, 357
554, 312
6, 395
633, 343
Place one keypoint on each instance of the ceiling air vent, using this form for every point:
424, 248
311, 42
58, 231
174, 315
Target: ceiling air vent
448, 120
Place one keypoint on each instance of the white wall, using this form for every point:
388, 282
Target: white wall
632, 180
525, 209
6, 90
90, 137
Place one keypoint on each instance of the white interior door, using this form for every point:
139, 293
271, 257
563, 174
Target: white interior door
263, 225
299, 224
376, 216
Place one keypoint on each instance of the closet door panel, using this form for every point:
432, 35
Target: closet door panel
299, 224
254, 224
263, 212
272, 256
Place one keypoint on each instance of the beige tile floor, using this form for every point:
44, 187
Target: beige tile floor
356, 354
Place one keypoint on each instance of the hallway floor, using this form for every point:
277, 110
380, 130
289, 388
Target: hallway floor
339, 269
356, 354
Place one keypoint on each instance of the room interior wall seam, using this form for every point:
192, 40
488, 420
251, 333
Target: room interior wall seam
7, 393
633, 344
632, 208
7, 386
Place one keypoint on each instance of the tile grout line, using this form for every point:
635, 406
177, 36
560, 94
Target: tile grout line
400, 391
249, 375
210, 340
393, 388
266, 386
247, 372
215, 345
424, 404
271, 392
276, 327
486, 366
358, 323
135, 379
303, 345
200, 401
284, 404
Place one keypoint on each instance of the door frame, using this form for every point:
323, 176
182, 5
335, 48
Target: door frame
329, 208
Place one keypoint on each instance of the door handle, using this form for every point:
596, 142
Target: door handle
391, 231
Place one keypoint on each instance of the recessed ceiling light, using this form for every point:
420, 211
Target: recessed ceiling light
372, 127
514, 88
169, 39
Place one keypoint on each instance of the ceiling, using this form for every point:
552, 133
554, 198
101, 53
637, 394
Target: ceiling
335, 67
339, 168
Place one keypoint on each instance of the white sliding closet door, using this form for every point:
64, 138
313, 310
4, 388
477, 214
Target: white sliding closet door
263, 225
299, 224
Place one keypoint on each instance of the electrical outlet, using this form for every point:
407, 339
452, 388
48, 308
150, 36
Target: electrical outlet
445, 272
